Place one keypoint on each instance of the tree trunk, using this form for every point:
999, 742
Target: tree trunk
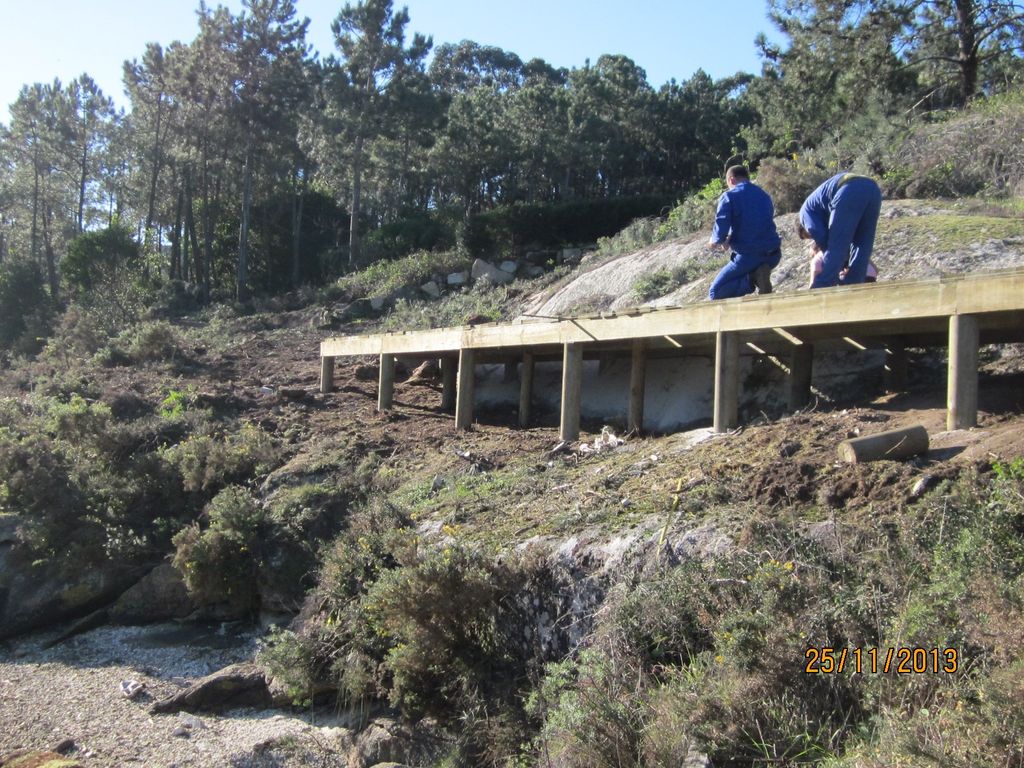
353, 227
297, 205
967, 53
242, 272
176, 270
82, 179
151, 204
51, 259
35, 211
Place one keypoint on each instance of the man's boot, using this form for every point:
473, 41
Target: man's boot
763, 279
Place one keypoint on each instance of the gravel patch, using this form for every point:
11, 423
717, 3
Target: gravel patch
73, 691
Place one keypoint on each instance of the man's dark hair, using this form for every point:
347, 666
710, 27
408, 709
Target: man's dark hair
738, 172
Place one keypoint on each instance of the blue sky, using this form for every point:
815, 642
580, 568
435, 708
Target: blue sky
44, 39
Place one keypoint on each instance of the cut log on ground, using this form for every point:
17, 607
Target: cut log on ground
894, 444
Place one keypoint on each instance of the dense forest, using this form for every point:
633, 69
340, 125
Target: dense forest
245, 161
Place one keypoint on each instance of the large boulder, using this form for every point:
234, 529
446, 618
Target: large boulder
483, 270
39, 594
158, 596
239, 685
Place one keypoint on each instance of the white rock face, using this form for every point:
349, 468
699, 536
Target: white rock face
483, 270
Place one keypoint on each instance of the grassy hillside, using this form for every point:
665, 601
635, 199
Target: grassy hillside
628, 606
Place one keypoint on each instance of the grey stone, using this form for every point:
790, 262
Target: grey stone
458, 278
239, 685
36, 595
535, 271
570, 254
483, 270
432, 289
158, 596
509, 266
377, 303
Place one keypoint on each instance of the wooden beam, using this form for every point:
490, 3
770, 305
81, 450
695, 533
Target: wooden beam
862, 310
526, 389
449, 371
727, 381
794, 340
572, 386
326, 374
464, 390
637, 384
800, 369
386, 383
896, 365
962, 383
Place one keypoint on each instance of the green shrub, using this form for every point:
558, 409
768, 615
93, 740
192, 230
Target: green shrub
509, 230
151, 341
978, 149
636, 235
443, 617
451, 310
25, 309
387, 278
220, 563
695, 213
659, 283
790, 180
288, 658
208, 463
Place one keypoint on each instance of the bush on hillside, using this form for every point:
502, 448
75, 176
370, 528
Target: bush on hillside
220, 563
977, 150
25, 310
790, 180
510, 230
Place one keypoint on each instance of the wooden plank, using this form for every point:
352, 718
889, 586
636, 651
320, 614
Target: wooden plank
727, 381
526, 389
449, 370
637, 385
873, 308
962, 383
326, 374
386, 383
464, 390
572, 386
801, 368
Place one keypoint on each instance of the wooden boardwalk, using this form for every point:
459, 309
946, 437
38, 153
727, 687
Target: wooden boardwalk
958, 312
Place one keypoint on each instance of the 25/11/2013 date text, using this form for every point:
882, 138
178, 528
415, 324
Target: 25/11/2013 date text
902, 661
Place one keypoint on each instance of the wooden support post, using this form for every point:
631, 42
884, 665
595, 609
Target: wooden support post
637, 384
962, 383
526, 389
727, 380
386, 383
509, 373
464, 390
572, 386
896, 366
449, 369
326, 374
801, 366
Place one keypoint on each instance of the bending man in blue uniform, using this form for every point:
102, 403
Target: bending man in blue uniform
745, 222
840, 217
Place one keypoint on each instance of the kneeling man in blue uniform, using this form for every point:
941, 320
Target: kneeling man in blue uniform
745, 222
841, 216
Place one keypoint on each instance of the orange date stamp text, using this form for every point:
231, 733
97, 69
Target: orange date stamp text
825, 660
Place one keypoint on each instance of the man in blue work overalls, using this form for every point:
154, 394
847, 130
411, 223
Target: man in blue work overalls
840, 217
745, 222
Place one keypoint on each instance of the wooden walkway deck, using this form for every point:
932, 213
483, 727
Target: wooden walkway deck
961, 312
